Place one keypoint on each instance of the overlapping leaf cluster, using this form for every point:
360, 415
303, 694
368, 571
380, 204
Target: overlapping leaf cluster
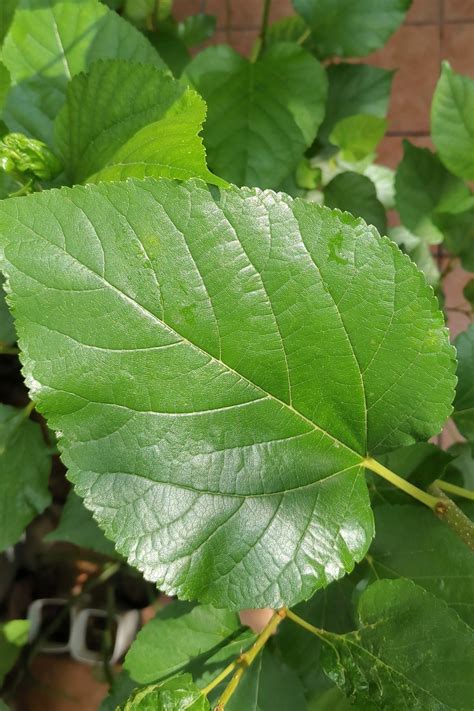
219, 361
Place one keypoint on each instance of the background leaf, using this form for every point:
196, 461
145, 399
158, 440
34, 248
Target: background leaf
358, 136
175, 637
354, 89
13, 636
343, 28
421, 464
7, 11
349, 354
464, 402
423, 188
412, 543
452, 121
196, 29
77, 526
330, 609
7, 328
25, 463
176, 694
410, 648
458, 231
130, 120
261, 116
49, 42
268, 684
356, 194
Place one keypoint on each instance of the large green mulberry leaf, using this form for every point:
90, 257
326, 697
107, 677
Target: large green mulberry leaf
49, 42
125, 120
218, 365
262, 115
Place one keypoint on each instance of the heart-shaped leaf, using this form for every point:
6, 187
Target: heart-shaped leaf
261, 115
218, 365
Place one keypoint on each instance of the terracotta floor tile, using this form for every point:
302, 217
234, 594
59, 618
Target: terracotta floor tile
424, 11
414, 51
458, 47
459, 9
183, 8
242, 41
246, 15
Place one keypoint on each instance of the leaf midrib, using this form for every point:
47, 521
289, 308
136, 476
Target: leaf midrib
150, 315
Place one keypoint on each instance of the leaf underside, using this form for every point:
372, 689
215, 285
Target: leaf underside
226, 360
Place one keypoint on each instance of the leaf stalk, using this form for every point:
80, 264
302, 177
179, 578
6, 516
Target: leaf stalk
431, 501
246, 659
453, 489
302, 623
262, 37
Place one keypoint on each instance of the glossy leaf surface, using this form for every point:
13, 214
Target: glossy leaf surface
231, 470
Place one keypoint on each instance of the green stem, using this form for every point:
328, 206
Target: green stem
220, 677
24, 190
246, 659
28, 409
453, 489
448, 512
302, 623
259, 45
431, 501
304, 36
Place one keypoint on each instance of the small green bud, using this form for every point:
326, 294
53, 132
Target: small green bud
27, 156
